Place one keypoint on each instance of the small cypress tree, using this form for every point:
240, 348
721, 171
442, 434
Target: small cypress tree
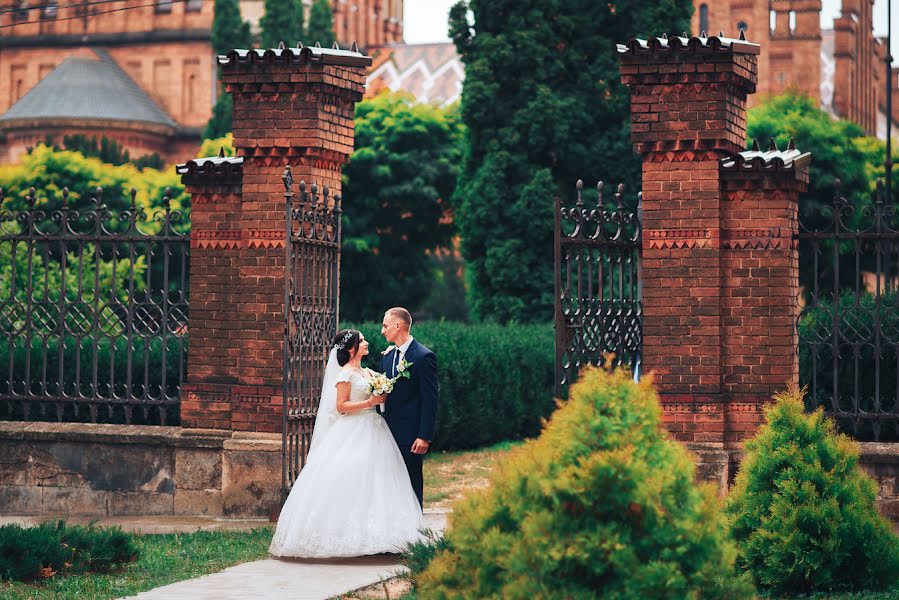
321, 27
282, 22
802, 512
601, 505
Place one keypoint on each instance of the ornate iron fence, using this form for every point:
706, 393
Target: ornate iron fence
93, 309
598, 297
849, 325
311, 292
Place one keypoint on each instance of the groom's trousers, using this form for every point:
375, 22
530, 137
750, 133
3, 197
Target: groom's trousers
413, 465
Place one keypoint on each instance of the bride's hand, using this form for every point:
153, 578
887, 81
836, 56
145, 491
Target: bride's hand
375, 400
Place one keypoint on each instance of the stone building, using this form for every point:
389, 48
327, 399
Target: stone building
843, 67
138, 73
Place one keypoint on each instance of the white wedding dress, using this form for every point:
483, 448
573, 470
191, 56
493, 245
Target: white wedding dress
353, 497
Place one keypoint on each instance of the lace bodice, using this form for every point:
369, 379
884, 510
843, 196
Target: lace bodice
358, 384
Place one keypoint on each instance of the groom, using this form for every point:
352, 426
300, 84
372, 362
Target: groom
411, 408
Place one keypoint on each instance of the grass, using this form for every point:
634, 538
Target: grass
163, 559
448, 475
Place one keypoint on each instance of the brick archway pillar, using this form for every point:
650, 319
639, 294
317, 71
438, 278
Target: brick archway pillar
292, 107
720, 268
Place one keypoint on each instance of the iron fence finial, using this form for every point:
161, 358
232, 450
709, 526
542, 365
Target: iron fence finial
166, 197
879, 195
65, 196
580, 187
287, 178
31, 197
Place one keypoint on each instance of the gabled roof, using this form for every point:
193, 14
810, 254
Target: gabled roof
87, 89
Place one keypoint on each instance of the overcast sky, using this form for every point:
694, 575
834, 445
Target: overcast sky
426, 20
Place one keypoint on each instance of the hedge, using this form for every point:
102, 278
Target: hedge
496, 381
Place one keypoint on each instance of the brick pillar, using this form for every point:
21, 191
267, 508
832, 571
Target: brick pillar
291, 107
760, 293
720, 268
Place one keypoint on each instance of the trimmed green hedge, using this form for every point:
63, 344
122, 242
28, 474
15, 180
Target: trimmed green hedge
29, 553
496, 381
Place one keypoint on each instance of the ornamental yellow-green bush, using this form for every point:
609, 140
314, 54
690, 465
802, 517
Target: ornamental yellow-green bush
802, 512
602, 504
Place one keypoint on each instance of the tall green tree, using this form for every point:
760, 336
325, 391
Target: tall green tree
282, 21
543, 106
321, 26
396, 188
229, 31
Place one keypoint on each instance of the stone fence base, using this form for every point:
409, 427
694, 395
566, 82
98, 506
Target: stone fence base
112, 470
880, 461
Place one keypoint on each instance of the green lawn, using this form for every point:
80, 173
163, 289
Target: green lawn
449, 474
163, 559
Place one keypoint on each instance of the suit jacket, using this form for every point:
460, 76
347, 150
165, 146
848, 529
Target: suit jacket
411, 408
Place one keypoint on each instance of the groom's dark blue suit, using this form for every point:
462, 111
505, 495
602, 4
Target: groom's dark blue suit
411, 408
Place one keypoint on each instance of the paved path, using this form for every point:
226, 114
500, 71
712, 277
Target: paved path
283, 579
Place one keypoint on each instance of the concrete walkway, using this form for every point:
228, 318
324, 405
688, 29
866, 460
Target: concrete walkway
288, 579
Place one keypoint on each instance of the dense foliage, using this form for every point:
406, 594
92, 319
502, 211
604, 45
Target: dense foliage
396, 191
602, 504
282, 21
40, 552
491, 388
802, 512
107, 150
321, 28
543, 107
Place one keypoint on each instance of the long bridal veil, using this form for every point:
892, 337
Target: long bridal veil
327, 406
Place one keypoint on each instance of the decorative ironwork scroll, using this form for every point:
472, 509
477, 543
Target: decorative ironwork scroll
311, 293
598, 299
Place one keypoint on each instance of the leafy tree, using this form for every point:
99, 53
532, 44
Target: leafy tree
229, 30
802, 512
105, 149
543, 106
282, 22
396, 189
321, 28
212, 146
840, 150
601, 505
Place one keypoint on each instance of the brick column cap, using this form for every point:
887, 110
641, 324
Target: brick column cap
327, 56
219, 170
777, 167
686, 44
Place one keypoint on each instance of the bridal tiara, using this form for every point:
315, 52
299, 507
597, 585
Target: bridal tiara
341, 345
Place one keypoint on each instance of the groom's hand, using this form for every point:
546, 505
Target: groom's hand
420, 446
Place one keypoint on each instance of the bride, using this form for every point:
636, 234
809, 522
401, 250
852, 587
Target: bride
353, 497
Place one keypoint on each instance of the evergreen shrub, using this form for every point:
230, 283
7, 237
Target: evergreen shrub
54, 547
496, 382
802, 512
602, 504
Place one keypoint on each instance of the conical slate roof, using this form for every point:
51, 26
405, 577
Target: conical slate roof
82, 88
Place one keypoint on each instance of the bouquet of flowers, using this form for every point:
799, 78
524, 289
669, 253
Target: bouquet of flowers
379, 384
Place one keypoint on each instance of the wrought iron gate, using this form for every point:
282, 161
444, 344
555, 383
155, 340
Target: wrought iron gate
849, 326
311, 291
598, 296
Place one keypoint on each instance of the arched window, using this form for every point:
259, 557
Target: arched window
703, 17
